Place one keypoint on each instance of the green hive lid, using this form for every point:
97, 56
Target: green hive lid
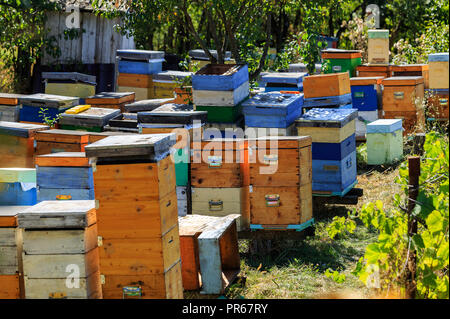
378, 34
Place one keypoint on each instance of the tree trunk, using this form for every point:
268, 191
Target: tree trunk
255, 74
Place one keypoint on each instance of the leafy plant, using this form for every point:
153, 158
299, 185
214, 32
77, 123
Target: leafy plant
387, 258
50, 121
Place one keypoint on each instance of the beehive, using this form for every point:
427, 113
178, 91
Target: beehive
78, 84
9, 107
279, 192
17, 186
378, 46
437, 104
11, 269
323, 85
64, 176
277, 81
111, 100
135, 191
370, 70
438, 70
342, 60
60, 254
17, 144
33, 104
92, 119
165, 82
333, 149
54, 141
139, 61
384, 142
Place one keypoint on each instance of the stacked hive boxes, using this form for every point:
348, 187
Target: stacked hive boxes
438, 87
366, 98
384, 142
165, 83
17, 144
76, 84
87, 118
60, 254
187, 125
217, 170
64, 176
209, 252
134, 183
403, 99
136, 68
54, 141
282, 81
52, 105
327, 91
124, 122
333, 149
272, 114
378, 46
11, 270
279, 178
342, 60
9, 107
219, 89
111, 100
200, 59
17, 186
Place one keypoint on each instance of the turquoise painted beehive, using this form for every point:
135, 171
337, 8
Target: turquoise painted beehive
384, 141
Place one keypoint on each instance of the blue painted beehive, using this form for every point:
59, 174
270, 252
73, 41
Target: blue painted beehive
64, 175
17, 186
366, 93
333, 148
140, 61
55, 104
283, 81
272, 109
220, 77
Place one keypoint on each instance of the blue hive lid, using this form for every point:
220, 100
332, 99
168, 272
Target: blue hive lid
283, 77
273, 99
438, 57
384, 126
327, 117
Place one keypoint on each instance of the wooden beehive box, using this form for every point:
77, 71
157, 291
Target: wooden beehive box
217, 163
438, 70
112, 100
60, 238
139, 61
369, 70
438, 105
17, 186
378, 46
17, 143
92, 119
333, 149
11, 269
403, 93
10, 98
342, 60
56, 140
280, 193
276, 81
146, 105
135, 80
366, 93
412, 70
384, 142
64, 175
165, 82
220, 77
135, 191
78, 84
326, 85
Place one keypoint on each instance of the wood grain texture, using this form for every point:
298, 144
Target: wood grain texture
326, 85
10, 287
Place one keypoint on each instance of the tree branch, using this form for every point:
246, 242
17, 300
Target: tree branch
254, 75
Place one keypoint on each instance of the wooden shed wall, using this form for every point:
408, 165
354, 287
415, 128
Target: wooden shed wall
97, 45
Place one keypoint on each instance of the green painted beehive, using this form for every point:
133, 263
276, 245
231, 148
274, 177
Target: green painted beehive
384, 141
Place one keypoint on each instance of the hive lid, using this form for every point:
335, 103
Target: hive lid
282, 142
110, 97
438, 57
146, 105
151, 146
72, 76
378, 34
50, 135
410, 67
10, 98
16, 175
58, 214
63, 159
332, 53
172, 113
140, 55
8, 215
384, 126
326, 117
49, 100
283, 77
199, 54
171, 75
402, 80
20, 129
93, 112
273, 100
366, 80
